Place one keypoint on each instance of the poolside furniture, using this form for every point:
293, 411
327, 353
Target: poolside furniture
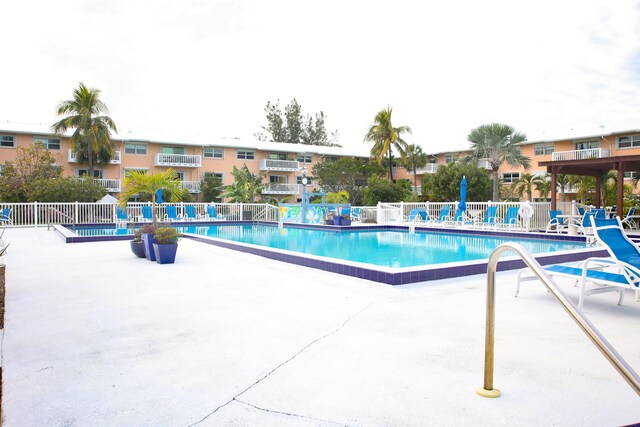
5, 216
618, 273
490, 217
171, 213
190, 213
121, 217
146, 214
460, 219
556, 223
629, 220
584, 224
511, 220
444, 216
417, 215
212, 214
355, 215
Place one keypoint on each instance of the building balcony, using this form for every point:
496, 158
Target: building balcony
279, 165
179, 160
484, 164
429, 168
591, 153
191, 186
115, 160
281, 189
111, 185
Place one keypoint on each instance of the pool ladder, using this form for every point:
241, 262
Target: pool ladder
587, 327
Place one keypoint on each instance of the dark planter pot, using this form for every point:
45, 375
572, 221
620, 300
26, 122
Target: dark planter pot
138, 249
149, 240
328, 222
165, 253
337, 220
345, 222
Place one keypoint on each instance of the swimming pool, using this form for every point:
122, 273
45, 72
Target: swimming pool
388, 254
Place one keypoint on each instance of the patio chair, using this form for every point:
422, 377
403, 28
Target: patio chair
555, 223
417, 215
511, 220
628, 220
146, 214
490, 217
618, 273
190, 213
355, 215
584, 224
460, 219
212, 214
171, 213
443, 217
5, 216
121, 217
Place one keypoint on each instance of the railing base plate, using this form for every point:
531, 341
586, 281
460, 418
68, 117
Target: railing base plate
488, 393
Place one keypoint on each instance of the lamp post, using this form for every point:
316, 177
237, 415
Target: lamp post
305, 197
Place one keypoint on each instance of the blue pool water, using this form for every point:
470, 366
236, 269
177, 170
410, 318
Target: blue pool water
387, 248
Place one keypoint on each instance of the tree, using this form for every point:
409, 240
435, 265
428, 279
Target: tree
211, 187
32, 165
543, 187
92, 135
444, 185
66, 190
526, 184
348, 174
562, 183
382, 190
138, 182
385, 137
246, 186
295, 128
498, 143
413, 159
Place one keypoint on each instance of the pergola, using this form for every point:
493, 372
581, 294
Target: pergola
595, 167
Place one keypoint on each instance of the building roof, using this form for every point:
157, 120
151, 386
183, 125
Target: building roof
203, 141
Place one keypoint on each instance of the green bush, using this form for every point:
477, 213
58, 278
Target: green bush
166, 235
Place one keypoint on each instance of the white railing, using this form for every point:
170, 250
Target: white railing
191, 186
429, 168
281, 189
183, 160
591, 153
111, 185
484, 164
115, 159
278, 165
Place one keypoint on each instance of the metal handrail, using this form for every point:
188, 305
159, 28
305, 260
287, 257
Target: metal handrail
587, 327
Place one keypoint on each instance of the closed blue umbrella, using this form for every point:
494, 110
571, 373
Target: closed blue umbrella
463, 194
159, 196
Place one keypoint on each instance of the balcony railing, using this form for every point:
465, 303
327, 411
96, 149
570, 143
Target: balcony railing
181, 160
591, 153
191, 186
484, 164
281, 189
278, 165
115, 159
429, 168
112, 185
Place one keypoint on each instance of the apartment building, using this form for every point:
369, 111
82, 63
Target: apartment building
281, 163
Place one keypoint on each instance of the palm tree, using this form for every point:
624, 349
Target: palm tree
543, 186
526, 184
138, 182
246, 186
498, 143
92, 133
413, 159
384, 137
563, 182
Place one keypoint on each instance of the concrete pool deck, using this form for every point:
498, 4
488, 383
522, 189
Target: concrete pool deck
95, 336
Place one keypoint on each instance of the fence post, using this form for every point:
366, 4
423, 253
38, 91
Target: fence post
35, 214
75, 213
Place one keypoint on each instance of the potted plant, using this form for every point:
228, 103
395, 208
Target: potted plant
329, 218
167, 245
345, 219
137, 246
147, 232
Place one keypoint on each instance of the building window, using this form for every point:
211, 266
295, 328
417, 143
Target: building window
449, 158
131, 148
631, 175
278, 179
214, 153
172, 150
587, 145
48, 143
127, 171
82, 173
330, 158
277, 156
305, 158
629, 141
180, 176
509, 177
7, 141
543, 150
246, 155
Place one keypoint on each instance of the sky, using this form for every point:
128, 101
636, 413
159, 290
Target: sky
207, 68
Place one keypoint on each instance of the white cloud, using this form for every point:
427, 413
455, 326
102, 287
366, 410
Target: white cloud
209, 68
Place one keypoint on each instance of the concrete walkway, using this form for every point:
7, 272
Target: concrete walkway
94, 336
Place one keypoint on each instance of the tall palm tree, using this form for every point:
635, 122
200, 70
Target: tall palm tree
543, 186
526, 184
138, 182
92, 135
246, 186
413, 159
498, 143
385, 137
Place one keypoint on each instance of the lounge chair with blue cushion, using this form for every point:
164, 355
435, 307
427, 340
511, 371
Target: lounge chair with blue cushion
628, 220
511, 220
212, 214
490, 217
171, 213
121, 216
460, 219
190, 213
417, 215
5, 217
584, 224
146, 214
555, 223
444, 217
618, 273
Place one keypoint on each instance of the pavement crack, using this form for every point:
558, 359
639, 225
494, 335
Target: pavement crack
289, 414
328, 334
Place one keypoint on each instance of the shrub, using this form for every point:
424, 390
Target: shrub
165, 235
147, 229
